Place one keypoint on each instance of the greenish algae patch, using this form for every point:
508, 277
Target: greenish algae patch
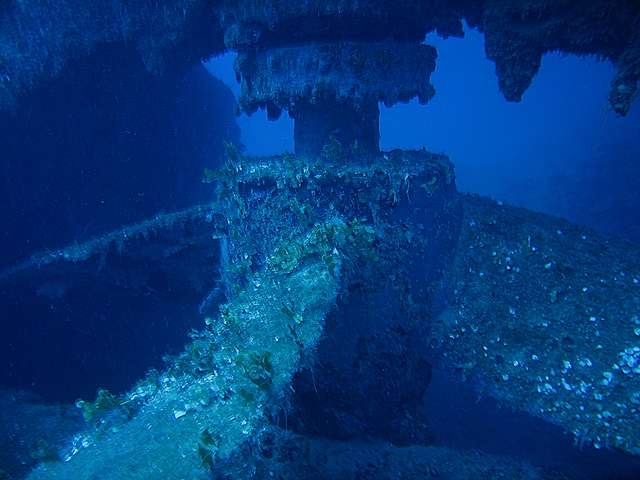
248, 367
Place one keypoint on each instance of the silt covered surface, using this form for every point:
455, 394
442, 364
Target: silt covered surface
544, 315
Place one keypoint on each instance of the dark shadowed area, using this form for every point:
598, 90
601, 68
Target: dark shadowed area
105, 144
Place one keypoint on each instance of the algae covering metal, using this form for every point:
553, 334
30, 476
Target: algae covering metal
542, 314
298, 233
213, 397
545, 315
